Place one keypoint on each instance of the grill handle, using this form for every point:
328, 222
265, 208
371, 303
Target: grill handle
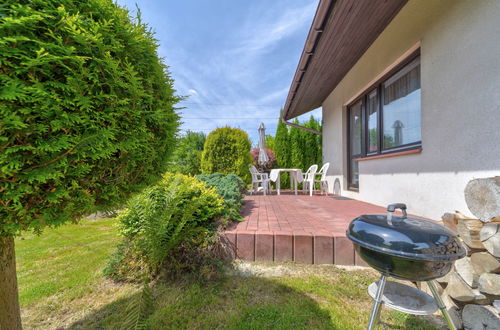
392, 207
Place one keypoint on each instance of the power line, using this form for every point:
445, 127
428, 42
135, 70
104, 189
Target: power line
233, 105
260, 118
212, 129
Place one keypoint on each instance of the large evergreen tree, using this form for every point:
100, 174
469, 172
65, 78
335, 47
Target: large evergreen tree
87, 118
297, 146
312, 149
282, 149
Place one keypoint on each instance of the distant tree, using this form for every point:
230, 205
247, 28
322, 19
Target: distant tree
319, 142
270, 142
312, 149
87, 117
282, 149
187, 155
227, 150
297, 146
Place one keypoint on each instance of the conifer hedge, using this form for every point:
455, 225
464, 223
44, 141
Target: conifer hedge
297, 148
86, 117
86, 110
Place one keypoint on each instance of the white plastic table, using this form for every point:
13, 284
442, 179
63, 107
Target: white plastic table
295, 176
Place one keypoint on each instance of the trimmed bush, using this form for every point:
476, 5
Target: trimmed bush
87, 117
167, 227
231, 188
87, 110
227, 150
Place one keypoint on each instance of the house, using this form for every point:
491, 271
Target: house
410, 96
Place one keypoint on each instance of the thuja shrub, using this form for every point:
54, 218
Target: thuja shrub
231, 188
168, 227
226, 151
87, 117
87, 110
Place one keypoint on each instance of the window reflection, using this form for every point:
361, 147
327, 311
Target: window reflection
372, 104
401, 120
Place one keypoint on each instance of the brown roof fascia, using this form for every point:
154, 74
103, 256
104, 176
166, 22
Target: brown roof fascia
322, 13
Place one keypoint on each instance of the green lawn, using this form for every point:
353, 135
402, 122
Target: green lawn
61, 286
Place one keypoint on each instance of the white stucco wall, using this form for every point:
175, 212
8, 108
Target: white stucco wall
460, 79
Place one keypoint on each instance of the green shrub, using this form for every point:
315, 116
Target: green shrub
282, 150
164, 226
231, 188
187, 154
227, 150
87, 110
87, 116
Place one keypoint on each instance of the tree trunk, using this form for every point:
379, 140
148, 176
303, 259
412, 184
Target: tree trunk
10, 314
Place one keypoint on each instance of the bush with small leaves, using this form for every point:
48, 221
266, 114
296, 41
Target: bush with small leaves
87, 117
231, 188
226, 151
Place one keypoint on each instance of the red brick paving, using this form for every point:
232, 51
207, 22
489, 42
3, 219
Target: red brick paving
302, 228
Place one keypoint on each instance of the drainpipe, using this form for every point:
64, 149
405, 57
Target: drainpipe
300, 127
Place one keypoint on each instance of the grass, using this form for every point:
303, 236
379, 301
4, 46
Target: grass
61, 286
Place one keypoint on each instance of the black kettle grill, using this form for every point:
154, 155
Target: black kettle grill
405, 248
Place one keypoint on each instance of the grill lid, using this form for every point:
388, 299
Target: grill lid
404, 236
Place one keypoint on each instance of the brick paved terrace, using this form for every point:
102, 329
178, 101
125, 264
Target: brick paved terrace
300, 228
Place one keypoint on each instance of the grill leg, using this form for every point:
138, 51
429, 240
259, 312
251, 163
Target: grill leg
377, 304
441, 305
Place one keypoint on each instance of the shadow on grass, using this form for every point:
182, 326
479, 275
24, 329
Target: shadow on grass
229, 303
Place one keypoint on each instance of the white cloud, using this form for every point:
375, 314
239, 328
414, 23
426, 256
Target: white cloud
232, 83
263, 32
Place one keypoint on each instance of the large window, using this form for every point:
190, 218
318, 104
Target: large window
386, 118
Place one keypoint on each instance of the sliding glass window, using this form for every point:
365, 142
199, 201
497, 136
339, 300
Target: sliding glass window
387, 118
401, 107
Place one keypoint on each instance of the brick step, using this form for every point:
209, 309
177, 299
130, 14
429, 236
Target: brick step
298, 246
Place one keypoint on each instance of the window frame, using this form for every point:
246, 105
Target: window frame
377, 86
349, 142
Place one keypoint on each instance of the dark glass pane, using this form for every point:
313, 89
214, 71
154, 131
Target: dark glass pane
401, 117
372, 105
354, 172
356, 129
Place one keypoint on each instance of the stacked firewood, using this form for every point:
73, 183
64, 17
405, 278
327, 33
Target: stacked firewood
471, 291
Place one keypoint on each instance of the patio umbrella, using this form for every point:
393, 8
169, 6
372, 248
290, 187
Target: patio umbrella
263, 157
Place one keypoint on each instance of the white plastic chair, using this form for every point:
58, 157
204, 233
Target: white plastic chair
261, 179
323, 184
308, 182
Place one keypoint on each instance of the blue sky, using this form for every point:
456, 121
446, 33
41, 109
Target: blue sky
234, 59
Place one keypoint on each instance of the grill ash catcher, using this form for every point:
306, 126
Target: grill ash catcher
405, 248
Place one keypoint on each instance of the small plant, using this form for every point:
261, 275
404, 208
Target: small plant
231, 188
227, 150
164, 225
